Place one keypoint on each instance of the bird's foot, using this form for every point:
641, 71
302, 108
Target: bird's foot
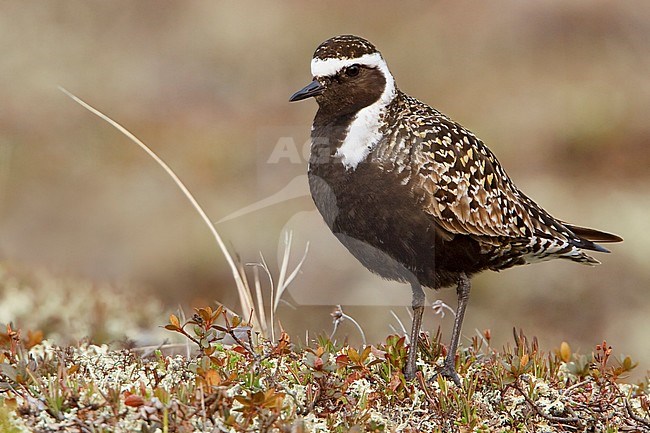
409, 372
449, 371
411, 359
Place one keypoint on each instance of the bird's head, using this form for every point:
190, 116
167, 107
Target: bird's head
349, 74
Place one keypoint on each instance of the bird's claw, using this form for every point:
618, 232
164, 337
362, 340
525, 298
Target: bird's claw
449, 371
409, 373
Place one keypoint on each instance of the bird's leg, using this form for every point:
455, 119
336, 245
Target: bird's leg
418, 309
449, 368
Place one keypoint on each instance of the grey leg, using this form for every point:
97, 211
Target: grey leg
449, 369
418, 309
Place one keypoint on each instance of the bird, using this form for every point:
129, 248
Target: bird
415, 196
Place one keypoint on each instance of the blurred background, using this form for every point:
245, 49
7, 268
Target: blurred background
96, 240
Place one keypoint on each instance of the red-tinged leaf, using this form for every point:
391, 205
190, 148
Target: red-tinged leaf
342, 360
273, 400
212, 378
205, 314
487, 334
283, 344
173, 320
378, 352
240, 350
285, 338
259, 397
318, 363
395, 381
133, 400
217, 361
356, 375
243, 400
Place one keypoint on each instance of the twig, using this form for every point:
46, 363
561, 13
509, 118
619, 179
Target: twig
182, 330
570, 389
425, 389
247, 346
83, 426
540, 412
203, 411
300, 409
316, 396
635, 417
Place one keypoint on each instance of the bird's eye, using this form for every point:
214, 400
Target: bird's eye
352, 71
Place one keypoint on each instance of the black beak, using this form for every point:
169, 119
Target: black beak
312, 89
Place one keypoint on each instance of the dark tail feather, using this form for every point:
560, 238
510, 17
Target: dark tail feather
589, 236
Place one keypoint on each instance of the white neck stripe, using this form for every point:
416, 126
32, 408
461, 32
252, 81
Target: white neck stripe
328, 67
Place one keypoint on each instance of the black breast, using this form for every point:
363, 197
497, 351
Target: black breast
379, 221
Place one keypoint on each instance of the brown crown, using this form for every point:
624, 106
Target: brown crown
344, 47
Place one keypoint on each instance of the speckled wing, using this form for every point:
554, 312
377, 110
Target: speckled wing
462, 185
